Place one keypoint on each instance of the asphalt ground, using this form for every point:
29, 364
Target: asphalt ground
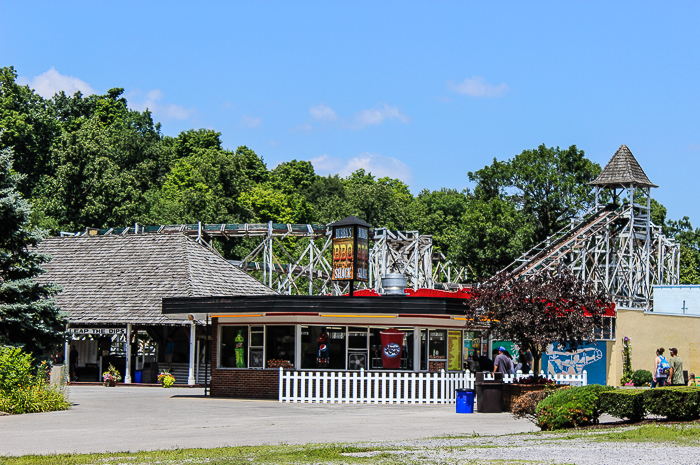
138, 418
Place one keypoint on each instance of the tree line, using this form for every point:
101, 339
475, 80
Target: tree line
91, 161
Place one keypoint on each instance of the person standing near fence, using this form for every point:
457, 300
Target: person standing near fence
502, 363
676, 376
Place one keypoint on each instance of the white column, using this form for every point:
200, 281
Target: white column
416, 348
297, 347
127, 375
66, 360
190, 377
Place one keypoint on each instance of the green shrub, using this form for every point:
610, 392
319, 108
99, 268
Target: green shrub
567, 408
642, 378
22, 391
15, 368
674, 403
624, 403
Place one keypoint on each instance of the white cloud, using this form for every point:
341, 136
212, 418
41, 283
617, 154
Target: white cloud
51, 82
375, 116
380, 166
323, 113
304, 127
151, 101
250, 121
478, 87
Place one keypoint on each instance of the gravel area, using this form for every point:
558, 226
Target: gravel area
537, 448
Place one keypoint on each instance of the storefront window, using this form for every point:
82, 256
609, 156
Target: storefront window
279, 346
358, 348
376, 362
437, 349
323, 347
233, 347
257, 341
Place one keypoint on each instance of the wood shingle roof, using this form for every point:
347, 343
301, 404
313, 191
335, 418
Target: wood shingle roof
622, 170
122, 279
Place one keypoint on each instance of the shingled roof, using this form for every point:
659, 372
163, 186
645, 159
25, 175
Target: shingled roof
622, 170
122, 279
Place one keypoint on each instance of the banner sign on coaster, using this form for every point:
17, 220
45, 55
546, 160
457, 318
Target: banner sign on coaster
97, 331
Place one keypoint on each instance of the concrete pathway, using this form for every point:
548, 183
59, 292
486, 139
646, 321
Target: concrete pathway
139, 418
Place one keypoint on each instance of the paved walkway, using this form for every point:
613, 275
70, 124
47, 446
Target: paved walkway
138, 418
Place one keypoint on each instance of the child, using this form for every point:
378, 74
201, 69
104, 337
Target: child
691, 379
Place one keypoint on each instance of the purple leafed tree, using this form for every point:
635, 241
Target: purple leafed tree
538, 310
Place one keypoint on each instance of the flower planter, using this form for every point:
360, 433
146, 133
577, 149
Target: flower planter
511, 393
110, 383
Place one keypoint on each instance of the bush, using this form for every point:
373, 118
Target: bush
22, 391
642, 378
567, 408
674, 403
526, 405
623, 403
15, 368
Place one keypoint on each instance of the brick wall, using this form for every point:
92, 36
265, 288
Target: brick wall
241, 382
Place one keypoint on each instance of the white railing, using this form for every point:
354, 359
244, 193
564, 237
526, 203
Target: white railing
580, 379
388, 387
383, 387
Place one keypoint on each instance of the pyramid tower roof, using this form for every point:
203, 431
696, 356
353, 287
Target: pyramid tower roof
622, 170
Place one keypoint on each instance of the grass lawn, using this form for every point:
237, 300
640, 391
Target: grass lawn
306, 454
686, 435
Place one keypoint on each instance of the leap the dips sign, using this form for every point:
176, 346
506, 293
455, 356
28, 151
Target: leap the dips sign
351, 250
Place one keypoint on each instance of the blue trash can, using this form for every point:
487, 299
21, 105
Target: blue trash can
465, 400
137, 376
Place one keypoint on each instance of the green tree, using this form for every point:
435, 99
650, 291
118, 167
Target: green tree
96, 183
384, 202
683, 233
29, 317
439, 214
493, 232
293, 177
549, 185
27, 123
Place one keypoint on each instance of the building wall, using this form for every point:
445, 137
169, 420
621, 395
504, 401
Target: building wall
241, 383
647, 332
677, 299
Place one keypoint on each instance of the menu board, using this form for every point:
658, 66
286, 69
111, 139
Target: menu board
362, 259
454, 350
343, 243
350, 253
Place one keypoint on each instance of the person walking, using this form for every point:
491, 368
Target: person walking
676, 377
661, 369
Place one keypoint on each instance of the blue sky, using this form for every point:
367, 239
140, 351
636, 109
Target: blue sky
421, 91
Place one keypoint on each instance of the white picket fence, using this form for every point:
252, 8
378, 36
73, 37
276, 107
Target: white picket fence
574, 380
384, 387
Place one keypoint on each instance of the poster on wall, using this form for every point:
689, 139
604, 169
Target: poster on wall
590, 357
256, 358
454, 350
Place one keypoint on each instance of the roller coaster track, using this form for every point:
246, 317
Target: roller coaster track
552, 251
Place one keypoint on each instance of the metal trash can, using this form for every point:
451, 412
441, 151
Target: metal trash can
465, 400
489, 392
